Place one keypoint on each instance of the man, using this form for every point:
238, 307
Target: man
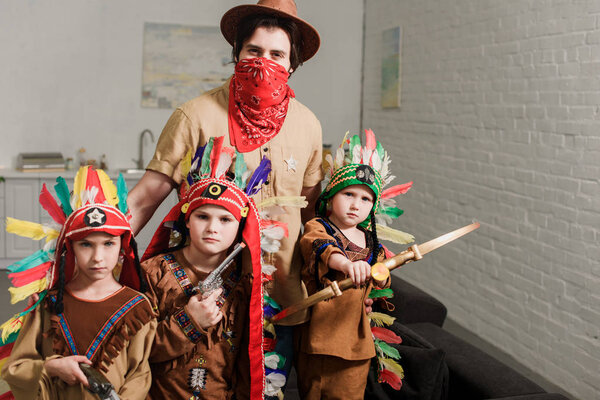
256, 112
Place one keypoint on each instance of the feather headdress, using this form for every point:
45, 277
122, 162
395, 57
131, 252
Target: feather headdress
353, 164
218, 175
95, 205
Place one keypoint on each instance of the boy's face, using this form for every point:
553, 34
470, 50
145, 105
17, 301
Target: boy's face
212, 230
271, 43
96, 256
351, 206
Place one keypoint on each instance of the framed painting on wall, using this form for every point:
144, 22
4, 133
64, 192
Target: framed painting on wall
391, 40
181, 62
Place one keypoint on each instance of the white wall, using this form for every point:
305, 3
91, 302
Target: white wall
500, 122
70, 72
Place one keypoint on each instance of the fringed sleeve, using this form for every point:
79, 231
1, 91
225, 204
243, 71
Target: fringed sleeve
316, 245
176, 332
24, 371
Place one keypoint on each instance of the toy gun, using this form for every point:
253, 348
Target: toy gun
214, 280
380, 271
98, 384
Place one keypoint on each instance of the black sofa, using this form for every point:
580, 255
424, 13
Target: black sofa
453, 368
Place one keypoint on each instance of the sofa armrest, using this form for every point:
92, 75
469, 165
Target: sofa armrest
414, 305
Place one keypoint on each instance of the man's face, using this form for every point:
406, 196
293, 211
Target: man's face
271, 43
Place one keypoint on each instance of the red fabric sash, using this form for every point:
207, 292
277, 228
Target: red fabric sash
258, 102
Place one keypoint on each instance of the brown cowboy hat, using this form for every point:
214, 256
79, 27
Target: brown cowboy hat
280, 8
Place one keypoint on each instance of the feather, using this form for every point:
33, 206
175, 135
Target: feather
268, 269
186, 167
273, 383
28, 229
394, 235
269, 327
339, 154
379, 293
31, 261
108, 187
10, 339
375, 161
23, 292
393, 366
396, 190
122, 194
5, 352
328, 164
274, 360
62, 192
11, 326
23, 278
270, 301
355, 150
385, 334
392, 212
79, 185
215, 155
386, 350
205, 162
387, 376
284, 201
385, 163
260, 175
50, 205
225, 160
366, 155
380, 319
239, 169
370, 141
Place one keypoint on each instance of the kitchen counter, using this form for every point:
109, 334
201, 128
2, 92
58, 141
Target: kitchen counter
113, 174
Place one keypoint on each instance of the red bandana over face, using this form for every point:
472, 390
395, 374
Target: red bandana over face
258, 102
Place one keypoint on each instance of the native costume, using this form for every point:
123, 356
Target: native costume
226, 359
115, 333
336, 346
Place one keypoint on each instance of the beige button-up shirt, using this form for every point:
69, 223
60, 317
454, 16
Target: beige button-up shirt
295, 154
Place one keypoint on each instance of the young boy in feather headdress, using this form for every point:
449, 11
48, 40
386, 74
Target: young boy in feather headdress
336, 345
87, 316
209, 345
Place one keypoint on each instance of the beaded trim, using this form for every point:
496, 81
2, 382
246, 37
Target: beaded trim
187, 326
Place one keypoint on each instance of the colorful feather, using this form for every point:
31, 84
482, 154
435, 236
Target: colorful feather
239, 169
394, 235
380, 319
28, 229
386, 350
370, 142
379, 293
205, 162
186, 166
387, 376
62, 192
260, 175
31, 261
122, 194
355, 150
79, 186
215, 155
396, 190
23, 292
108, 187
385, 334
23, 278
392, 366
51, 206
225, 160
392, 212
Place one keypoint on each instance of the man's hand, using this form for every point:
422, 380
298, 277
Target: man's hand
146, 196
205, 311
67, 369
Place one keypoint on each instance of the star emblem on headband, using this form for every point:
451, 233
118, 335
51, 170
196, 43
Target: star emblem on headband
291, 164
95, 217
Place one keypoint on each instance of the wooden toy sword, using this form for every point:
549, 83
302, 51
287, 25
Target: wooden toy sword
380, 271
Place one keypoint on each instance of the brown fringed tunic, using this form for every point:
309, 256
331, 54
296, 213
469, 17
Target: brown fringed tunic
335, 345
115, 333
189, 362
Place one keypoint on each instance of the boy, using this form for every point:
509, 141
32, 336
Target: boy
336, 345
87, 316
209, 345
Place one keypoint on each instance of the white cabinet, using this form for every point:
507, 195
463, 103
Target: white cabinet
19, 198
21, 202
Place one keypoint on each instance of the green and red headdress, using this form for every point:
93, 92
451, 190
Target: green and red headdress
365, 165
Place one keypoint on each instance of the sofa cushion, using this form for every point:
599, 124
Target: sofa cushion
473, 373
414, 305
425, 372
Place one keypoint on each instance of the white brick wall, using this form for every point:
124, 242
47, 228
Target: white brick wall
500, 122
